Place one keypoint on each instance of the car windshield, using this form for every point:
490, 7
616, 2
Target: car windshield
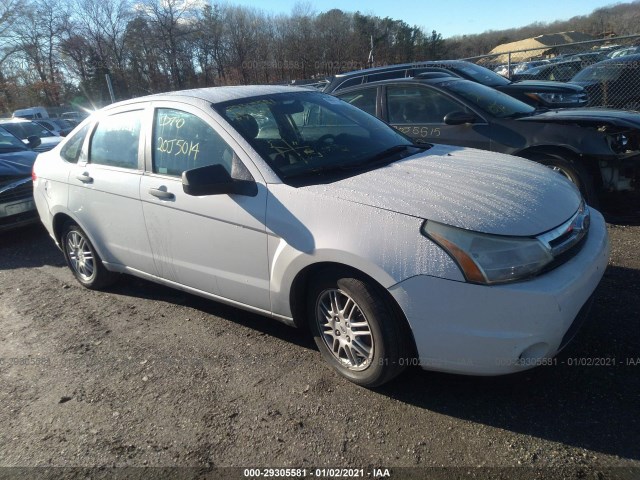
9, 143
600, 73
310, 133
489, 100
25, 130
481, 75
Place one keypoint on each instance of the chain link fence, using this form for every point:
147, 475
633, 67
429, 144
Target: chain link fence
609, 69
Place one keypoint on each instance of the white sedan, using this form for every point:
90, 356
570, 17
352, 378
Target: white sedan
303, 208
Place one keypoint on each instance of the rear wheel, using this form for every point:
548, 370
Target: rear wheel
356, 330
574, 172
83, 260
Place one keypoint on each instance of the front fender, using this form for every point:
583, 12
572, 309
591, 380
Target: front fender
306, 229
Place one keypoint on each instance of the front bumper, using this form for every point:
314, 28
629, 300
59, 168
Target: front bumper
492, 330
17, 206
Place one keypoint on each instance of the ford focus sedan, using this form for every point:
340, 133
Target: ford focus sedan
298, 206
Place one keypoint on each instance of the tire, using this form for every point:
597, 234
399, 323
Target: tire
82, 259
336, 300
574, 172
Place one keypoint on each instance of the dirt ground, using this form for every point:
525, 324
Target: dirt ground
142, 375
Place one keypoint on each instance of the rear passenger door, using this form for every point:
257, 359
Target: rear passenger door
104, 190
217, 243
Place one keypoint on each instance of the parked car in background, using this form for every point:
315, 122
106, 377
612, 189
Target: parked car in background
536, 93
598, 150
504, 69
560, 72
59, 126
588, 58
325, 217
525, 66
74, 117
31, 113
612, 83
624, 51
24, 129
16, 190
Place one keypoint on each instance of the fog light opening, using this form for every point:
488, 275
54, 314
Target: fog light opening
537, 351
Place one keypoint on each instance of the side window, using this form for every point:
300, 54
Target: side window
72, 148
182, 141
115, 140
364, 99
413, 104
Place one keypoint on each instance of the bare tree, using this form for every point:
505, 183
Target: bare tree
37, 35
174, 22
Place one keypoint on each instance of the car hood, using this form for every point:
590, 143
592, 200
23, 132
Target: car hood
543, 86
588, 116
466, 188
17, 164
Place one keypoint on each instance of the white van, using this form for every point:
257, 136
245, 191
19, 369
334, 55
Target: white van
31, 113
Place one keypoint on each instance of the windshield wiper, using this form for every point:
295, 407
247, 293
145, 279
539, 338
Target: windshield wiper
384, 156
377, 159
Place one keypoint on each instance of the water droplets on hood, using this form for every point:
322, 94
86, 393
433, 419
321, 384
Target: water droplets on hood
467, 188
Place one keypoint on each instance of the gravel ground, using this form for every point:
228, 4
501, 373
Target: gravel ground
142, 375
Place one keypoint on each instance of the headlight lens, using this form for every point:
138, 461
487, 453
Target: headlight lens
489, 259
557, 98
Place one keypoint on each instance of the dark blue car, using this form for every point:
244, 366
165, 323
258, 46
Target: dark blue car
16, 191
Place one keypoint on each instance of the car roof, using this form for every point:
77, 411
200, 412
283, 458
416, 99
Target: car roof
428, 81
399, 66
215, 95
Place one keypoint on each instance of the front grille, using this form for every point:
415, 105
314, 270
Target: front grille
19, 190
566, 241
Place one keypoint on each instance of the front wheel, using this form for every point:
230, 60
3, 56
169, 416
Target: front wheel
574, 172
356, 330
83, 260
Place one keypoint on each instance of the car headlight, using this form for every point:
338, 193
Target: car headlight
619, 142
558, 98
489, 259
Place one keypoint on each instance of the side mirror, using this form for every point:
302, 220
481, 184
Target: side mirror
215, 180
33, 141
459, 118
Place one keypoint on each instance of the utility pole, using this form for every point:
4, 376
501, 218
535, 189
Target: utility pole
113, 97
370, 59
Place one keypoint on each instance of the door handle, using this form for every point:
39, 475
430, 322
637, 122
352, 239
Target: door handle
84, 178
161, 193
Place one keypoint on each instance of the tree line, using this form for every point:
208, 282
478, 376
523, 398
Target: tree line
54, 53
58, 53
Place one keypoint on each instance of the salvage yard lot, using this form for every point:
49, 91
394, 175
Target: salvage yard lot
144, 375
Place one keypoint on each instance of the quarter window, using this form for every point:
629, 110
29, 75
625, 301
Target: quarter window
182, 141
115, 140
364, 99
72, 148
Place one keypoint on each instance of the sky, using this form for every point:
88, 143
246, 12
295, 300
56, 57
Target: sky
449, 17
